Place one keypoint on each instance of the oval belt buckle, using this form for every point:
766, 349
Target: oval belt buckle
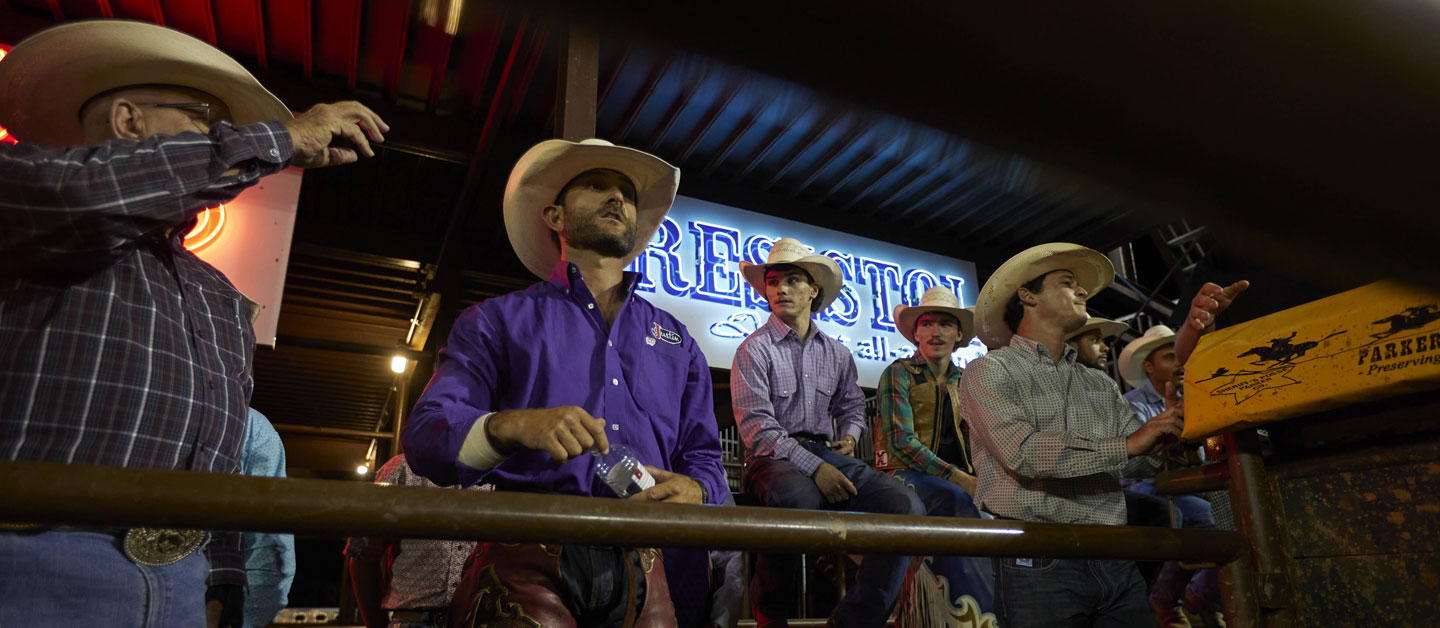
158, 547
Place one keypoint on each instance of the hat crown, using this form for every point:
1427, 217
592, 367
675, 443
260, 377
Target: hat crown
939, 296
787, 250
1158, 331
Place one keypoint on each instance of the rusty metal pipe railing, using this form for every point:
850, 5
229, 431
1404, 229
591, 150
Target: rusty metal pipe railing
1202, 479
86, 495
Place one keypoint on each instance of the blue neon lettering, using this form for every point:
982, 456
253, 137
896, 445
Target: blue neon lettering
757, 250
915, 284
717, 251
664, 250
882, 277
957, 285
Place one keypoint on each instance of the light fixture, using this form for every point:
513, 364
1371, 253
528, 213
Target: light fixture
362, 469
398, 364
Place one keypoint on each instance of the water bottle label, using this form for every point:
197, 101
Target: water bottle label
643, 478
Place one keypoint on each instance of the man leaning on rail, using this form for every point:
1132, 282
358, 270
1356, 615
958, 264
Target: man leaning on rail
1053, 436
534, 381
119, 347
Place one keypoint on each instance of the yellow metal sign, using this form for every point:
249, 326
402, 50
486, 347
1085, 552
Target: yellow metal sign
1372, 342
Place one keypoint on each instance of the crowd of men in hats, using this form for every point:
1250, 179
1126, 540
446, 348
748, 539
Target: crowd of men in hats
122, 348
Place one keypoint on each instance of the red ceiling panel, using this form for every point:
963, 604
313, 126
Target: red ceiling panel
192, 16
337, 38
85, 9
287, 32
241, 28
387, 23
147, 10
476, 51
430, 55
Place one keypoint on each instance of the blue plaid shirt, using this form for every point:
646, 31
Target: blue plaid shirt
781, 385
117, 346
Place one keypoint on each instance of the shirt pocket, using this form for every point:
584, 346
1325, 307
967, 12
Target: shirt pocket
660, 383
782, 385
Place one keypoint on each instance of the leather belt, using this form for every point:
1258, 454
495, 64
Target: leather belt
433, 617
156, 547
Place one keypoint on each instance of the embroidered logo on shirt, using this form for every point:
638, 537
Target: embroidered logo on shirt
664, 334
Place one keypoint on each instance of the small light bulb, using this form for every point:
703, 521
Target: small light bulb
398, 364
362, 469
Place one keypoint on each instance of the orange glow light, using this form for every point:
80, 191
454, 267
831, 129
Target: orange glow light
5, 135
207, 228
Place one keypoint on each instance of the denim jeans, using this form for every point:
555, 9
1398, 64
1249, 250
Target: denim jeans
1194, 514
1048, 592
778, 484
68, 579
970, 576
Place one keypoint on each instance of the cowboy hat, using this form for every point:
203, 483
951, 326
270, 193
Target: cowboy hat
49, 76
936, 299
1106, 326
1132, 359
1093, 271
791, 252
545, 169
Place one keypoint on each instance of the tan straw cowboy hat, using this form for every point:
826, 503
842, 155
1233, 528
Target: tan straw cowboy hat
1106, 326
1132, 359
547, 167
790, 251
49, 76
1093, 271
937, 299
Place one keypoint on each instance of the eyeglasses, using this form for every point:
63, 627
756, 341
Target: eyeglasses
204, 106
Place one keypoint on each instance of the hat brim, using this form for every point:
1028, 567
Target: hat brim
1107, 329
1132, 358
1093, 272
545, 169
48, 77
821, 268
906, 317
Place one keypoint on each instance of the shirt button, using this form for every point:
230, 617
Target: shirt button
274, 152
589, 306
610, 343
614, 427
614, 382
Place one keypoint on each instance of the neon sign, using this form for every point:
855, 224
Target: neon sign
207, 227
692, 270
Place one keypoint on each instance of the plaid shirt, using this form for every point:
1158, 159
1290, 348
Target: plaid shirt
781, 385
897, 420
424, 573
1050, 438
117, 346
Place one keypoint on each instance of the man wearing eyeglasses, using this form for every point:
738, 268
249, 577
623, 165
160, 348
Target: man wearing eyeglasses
117, 346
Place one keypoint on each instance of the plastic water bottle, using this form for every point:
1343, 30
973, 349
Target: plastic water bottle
622, 471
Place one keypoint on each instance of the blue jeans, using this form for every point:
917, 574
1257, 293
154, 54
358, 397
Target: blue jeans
67, 579
1048, 592
778, 484
1193, 512
967, 575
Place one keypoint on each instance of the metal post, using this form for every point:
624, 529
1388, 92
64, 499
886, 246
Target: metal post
1270, 601
402, 410
578, 83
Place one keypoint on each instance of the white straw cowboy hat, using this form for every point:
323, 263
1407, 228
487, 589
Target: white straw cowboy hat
937, 299
545, 169
1106, 326
49, 76
790, 251
1093, 271
1132, 359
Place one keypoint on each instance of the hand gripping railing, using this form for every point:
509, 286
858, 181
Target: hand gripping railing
35, 492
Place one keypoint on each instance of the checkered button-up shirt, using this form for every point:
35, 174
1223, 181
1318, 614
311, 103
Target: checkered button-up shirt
117, 346
1050, 437
782, 385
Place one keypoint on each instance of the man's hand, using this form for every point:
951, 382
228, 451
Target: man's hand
311, 133
845, 446
1161, 431
565, 432
833, 484
964, 480
670, 487
1208, 303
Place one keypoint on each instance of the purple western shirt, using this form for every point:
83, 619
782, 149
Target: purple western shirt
549, 346
782, 385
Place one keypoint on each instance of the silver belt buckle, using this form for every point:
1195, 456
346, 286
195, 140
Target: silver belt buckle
159, 547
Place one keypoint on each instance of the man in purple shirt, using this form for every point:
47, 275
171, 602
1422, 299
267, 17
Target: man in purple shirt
788, 383
531, 382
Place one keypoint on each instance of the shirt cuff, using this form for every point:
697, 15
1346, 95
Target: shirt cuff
477, 452
1114, 452
853, 431
805, 461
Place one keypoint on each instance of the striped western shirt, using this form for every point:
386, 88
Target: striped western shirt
1050, 437
781, 385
